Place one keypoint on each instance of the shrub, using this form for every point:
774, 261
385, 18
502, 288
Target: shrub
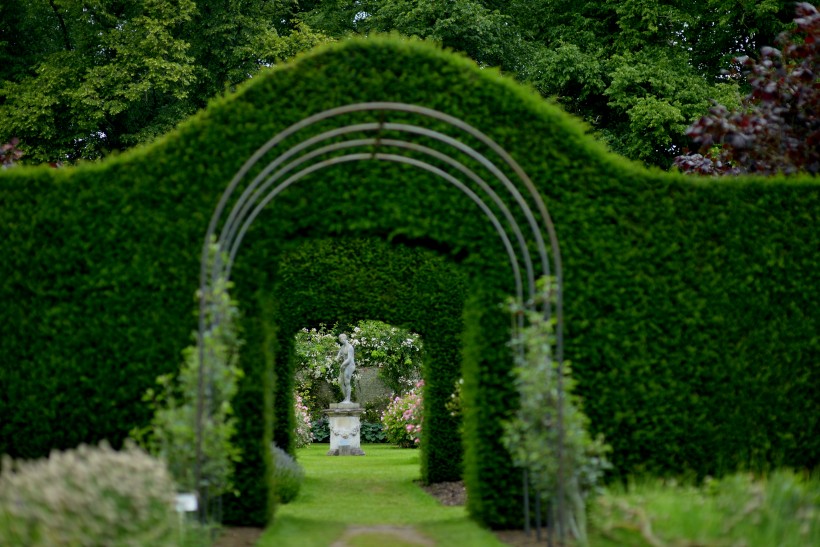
303, 431
453, 405
532, 435
395, 351
742, 509
684, 360
373, 409
287, 475
403, 418
10, 154
88, 496
373, 433
777, 128
315, 350
321, 431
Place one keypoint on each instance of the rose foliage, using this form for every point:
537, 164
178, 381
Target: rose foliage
303, 434
403, 418
396, 352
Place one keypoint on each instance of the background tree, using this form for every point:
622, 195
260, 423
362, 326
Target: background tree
9, 153
638, 71
81, 78
777, 128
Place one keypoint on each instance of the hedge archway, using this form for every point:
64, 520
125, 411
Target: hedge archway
443, 148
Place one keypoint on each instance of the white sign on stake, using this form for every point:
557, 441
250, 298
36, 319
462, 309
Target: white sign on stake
186, 503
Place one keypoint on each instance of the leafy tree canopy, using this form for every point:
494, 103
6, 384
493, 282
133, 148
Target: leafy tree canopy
777, 128
639, 71
81, 78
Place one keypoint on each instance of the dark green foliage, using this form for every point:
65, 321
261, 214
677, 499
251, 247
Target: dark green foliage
637, 71
256, 415
326, 281
373, 433
373, 409
692, 309
79, 80
321, 431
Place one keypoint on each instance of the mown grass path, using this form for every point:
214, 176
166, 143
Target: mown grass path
371, 500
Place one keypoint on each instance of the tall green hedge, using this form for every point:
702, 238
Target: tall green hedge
344, 280
691, 305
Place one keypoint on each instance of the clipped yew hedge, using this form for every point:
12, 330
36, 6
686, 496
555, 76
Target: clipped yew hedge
691, 305
344, 280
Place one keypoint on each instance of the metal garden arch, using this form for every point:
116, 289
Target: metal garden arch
343, 145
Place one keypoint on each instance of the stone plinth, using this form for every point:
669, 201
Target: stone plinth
345, 426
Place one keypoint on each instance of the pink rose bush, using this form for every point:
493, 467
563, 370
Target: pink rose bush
402, 419
303, 435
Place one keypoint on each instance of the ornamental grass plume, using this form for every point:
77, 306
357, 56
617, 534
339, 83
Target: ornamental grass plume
88, 496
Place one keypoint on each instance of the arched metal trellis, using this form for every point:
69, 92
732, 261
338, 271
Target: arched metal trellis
403, 143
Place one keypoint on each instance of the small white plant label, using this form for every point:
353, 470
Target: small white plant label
186, 503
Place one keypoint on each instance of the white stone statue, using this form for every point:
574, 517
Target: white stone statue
348, 366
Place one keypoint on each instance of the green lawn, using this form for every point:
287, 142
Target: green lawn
373, 490
378, 491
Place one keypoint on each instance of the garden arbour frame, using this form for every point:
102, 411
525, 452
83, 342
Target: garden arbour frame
309, 156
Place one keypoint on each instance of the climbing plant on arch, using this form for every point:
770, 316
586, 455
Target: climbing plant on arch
691, 306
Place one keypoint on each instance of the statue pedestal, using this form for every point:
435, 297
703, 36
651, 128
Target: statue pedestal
345, 427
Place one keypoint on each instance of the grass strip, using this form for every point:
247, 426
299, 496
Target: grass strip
376, 490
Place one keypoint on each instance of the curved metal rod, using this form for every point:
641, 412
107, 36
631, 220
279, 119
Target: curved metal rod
519, 198
393, 158
434, 114
260, 190
455, 122
243, 204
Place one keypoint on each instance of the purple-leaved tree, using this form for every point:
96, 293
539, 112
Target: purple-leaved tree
777, 128
9, 153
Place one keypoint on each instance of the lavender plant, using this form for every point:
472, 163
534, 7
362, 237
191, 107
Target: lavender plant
287, 475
